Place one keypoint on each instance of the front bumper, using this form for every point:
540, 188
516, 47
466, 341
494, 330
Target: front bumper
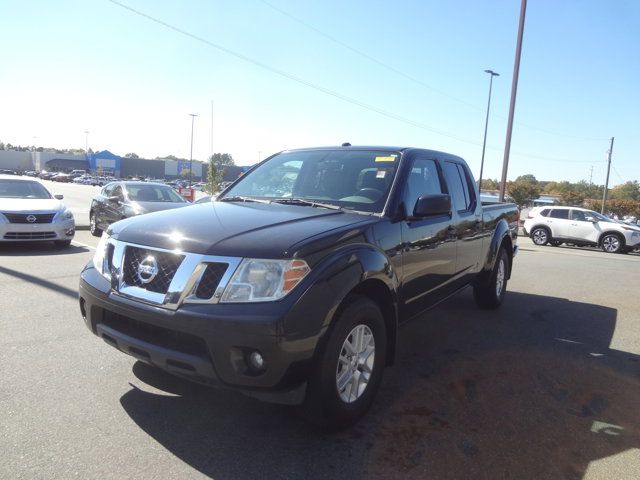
37, 232
205, 343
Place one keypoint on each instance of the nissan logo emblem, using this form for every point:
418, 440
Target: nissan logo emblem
147, 269
31, 218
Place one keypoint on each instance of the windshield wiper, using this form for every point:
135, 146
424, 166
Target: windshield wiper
305, 203
239, 198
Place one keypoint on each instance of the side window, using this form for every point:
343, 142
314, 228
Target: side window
545, 212
578, 215
423, 179
560, 213
457, 190
117, 192
106, 191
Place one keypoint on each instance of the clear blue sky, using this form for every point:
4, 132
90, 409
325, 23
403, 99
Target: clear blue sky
70, 66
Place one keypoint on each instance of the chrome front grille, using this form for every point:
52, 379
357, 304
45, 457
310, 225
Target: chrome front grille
167, 266
178, 277
29, 217
210, 280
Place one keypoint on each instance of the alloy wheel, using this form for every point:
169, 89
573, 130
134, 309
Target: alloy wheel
355, 363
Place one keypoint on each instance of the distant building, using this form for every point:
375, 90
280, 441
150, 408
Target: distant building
103, 162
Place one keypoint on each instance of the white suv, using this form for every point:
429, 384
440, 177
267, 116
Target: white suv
579, 226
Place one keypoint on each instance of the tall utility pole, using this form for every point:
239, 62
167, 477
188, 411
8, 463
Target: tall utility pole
486, 126
86, 143
512, 105
193, 116
591, 176
211, 129
606, 184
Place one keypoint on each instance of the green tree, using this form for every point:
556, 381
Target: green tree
1, 146
184, 173
222, 159
528, 178
626, 191
215, 176
523, 191
489, 184
131, 155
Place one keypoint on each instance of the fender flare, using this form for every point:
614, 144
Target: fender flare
501, 232
365, 270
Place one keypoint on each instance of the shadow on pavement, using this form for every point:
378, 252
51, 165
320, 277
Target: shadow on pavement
529, 391
40, 282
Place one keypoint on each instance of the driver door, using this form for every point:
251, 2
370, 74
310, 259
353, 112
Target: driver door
582, 229
114, 209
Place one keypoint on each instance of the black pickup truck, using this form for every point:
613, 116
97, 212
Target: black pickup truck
291, 285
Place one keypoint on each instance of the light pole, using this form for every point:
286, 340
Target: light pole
86, 143
512, 104
486, 126
193, 116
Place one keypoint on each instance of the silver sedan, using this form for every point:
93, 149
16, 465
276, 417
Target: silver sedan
28, 213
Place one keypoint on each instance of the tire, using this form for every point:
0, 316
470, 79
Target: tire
328, 404
555, 243
490, 295
612, 243
62, 243
93, 225
540, 236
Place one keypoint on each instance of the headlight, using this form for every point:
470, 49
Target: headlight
258, 280
65, 215
100, 257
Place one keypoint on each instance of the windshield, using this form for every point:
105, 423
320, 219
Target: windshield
153, 193
351, 179
23, 189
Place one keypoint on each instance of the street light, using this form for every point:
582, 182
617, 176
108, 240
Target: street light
486, 126
86, 143
193, 116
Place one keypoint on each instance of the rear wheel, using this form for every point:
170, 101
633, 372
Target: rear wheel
489, 295
612, 243
540, 236
93, 225
348, 370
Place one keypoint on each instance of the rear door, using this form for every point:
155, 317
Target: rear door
558, 221
429, 247
467, 220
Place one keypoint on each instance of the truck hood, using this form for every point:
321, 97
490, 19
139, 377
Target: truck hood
148, 207
233, 229
30, 205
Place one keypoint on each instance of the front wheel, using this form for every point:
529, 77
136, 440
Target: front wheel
489, 295
540, 236
611, 243
93, 225
348, 370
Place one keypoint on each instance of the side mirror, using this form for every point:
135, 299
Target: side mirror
113, 199
58, 197
432, 205
592, 220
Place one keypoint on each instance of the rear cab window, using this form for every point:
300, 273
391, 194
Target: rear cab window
463, 196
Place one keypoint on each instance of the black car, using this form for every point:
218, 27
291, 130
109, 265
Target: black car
290, 286
119, 200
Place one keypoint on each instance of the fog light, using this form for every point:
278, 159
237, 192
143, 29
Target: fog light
256, 360
69, 232
83, 309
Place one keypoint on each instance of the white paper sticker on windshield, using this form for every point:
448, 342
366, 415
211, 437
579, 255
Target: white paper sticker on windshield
381, 173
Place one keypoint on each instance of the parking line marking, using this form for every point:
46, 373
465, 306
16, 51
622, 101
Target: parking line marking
82, 245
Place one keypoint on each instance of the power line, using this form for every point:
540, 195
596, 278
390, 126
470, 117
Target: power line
294, 78
411, 77
322, 89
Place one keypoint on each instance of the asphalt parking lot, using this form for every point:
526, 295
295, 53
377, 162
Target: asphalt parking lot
546, 387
